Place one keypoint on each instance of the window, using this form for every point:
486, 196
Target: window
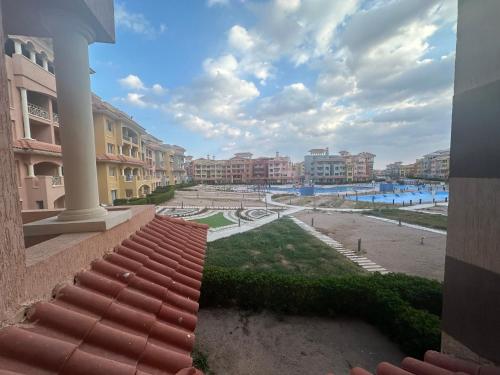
39, 205
111, 148
109, 123
114, 195
112, 171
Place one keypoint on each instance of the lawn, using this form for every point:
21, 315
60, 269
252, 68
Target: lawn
215, 221
418, 218
280, 246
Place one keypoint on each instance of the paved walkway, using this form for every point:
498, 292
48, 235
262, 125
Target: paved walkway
224, 232
361, 261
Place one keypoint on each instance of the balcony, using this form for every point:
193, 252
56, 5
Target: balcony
48, 189
55, 118
37, 111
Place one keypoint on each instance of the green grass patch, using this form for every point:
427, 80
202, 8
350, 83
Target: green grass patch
215, 221
281, 246
418, 218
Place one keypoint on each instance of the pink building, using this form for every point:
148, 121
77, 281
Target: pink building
35, 122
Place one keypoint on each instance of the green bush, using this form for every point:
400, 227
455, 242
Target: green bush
379, 299
160, 195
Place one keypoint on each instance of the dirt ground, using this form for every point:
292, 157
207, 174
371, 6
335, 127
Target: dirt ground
332, 201
265, 344
202, 198
395, 248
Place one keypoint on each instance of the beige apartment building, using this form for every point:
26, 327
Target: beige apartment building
435, 165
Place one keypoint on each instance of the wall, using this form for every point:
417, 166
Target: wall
43, 266
471, 312
12, 256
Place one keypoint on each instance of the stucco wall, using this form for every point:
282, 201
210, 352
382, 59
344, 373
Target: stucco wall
57, 260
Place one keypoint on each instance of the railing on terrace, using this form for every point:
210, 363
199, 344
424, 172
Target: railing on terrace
38, 111
57, 180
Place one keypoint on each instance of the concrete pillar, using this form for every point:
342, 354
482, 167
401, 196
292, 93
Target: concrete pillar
60, 170
120, 152
45, 64
18, 49
471, 306
26, 115
75, 116
33, 56
31, 170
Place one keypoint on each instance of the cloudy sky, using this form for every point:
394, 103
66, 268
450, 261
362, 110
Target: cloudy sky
225, 76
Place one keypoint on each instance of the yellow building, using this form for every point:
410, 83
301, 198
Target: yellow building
125, 167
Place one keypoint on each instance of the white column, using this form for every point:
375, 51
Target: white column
18, 47
33, 56
45, 64
26, 115
59, 170
75, 116
31, 170
120, 152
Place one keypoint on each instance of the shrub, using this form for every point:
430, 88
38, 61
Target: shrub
379, 299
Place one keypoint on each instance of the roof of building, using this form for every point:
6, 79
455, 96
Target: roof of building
132, 313
434, 363
100, 106
34, 145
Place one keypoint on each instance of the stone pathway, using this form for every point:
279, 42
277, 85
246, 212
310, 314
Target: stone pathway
363, 262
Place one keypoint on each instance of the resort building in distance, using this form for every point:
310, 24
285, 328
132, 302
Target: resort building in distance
242, 169
435, 165
322, 168
130, 162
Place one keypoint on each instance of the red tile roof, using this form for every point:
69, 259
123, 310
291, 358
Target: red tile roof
34, 145
119, 159
132, 313
434, 363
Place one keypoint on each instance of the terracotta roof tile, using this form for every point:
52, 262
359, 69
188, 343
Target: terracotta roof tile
133, 312
34, 145
434, 363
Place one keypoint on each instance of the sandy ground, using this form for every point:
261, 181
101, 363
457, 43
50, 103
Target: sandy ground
237, 344
396, 248
216, 198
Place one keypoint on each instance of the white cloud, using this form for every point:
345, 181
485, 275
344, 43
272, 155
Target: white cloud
136, 22
337, 73
158, 89
136, 99
132, 82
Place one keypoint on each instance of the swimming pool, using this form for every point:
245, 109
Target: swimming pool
415, 197
322, 190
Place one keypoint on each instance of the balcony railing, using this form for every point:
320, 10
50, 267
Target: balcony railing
55, 117
129, 177
57, 180
38, 111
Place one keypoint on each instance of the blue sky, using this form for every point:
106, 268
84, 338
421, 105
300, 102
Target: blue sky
225, 76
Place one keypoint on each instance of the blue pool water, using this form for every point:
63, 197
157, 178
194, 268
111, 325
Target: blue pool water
319, 190
406, 197
402, 193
